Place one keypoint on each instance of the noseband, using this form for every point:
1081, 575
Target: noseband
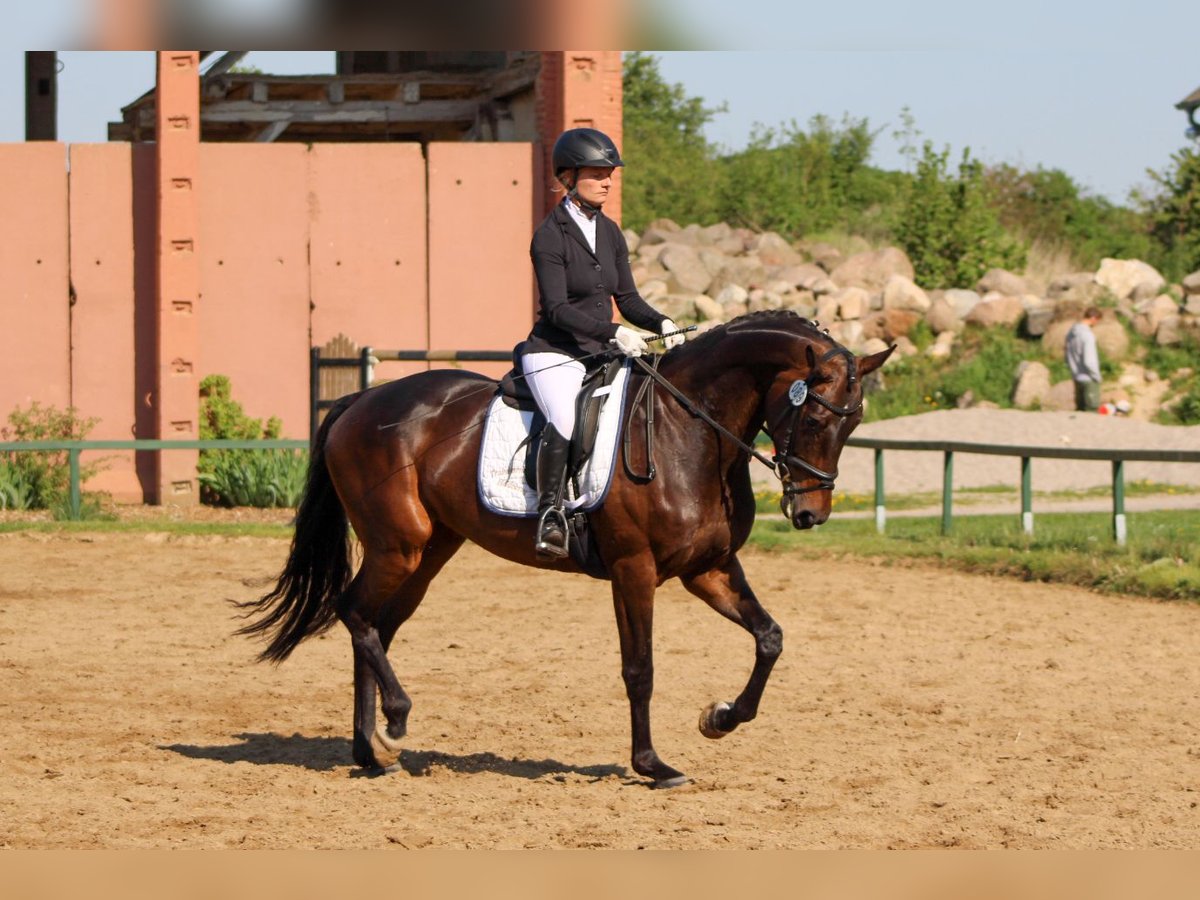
785, 459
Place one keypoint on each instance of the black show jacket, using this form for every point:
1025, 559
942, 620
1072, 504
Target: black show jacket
577, 287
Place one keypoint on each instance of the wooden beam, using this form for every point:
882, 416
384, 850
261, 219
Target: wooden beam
315, 111
41, 95
227, 61
272, 132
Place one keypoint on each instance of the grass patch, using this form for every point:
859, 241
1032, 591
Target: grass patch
222, 529
1161, 559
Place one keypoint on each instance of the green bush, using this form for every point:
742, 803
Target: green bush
41, 479
261, 478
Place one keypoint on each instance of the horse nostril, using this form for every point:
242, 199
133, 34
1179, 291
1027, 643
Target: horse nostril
806, 519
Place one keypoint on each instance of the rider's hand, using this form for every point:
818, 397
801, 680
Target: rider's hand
675, 339
630, 342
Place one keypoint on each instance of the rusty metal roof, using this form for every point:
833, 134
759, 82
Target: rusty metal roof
1190, 102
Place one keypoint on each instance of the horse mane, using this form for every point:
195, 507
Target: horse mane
778, 320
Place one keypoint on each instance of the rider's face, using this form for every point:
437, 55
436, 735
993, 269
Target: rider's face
594, 184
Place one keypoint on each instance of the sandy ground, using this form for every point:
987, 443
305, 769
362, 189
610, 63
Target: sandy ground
911, 708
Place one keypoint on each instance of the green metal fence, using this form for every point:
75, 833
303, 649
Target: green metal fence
75, 448
1118, 458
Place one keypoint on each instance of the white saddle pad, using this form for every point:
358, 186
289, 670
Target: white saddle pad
502, 484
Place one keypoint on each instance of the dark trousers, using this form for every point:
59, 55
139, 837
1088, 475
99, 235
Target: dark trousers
1087, 396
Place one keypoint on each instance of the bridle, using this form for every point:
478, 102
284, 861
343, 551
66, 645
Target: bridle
799, 393
784, 459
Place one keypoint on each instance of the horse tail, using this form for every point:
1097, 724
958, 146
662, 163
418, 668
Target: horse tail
318, 568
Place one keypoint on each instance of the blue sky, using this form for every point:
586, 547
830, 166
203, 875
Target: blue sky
1087, 88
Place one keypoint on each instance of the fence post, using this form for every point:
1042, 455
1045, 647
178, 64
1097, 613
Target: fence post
947, 490
76, 493
880, 509
364, 368
1118, 476
1026, 495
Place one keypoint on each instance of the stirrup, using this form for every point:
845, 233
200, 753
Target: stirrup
543, 547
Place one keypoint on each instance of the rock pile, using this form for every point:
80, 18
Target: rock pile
868, 300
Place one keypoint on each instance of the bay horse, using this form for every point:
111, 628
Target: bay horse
398, 464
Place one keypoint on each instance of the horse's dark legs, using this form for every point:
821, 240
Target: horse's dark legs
387, 591
633, 584
725, 590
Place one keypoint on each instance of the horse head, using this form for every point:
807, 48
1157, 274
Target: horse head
812, 404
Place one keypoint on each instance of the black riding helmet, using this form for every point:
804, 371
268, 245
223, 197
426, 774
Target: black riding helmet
581, 147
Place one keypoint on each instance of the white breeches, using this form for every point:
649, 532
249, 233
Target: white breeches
554, 380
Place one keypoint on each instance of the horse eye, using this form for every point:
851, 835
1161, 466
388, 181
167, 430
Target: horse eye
811, 422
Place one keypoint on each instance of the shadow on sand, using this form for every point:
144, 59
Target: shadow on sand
323, 754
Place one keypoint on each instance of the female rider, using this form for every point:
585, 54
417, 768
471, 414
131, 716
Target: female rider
581, 262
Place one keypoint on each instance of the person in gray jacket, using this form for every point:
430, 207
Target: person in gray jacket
581, 261
1084, 361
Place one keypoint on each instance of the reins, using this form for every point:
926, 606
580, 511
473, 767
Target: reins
784, 458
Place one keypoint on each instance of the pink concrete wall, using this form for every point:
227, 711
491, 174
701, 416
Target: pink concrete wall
366, 212
446, 268
103, 379
34, 293
254, 291
480, 224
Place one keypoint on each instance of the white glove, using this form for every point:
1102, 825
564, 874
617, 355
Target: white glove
630, 342
675, 339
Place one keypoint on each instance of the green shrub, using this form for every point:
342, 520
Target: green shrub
262, 478
41, 479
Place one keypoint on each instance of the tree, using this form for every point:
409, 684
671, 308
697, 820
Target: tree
1175, 213
670, 164
949, 228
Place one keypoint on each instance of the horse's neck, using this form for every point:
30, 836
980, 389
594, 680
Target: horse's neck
731, 385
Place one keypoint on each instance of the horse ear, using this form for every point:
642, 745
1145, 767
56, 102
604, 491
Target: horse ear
874, 361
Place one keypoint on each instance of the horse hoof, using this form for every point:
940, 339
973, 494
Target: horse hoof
708, 720
668, 783
386, 749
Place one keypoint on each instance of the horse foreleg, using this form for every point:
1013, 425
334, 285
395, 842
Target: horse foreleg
725, 589
633, 599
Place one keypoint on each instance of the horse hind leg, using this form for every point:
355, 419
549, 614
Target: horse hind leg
725, 589
392, 587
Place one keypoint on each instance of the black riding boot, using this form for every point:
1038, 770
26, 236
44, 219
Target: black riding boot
551, 475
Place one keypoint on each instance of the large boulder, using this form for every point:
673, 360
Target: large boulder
708, 309
1122, 277
942, 346
872, 269
1111, 340
852, 302
653, 288
745, 271
632, 239
827, 256
1038, 316
1191, 284
964, 301
996, 310
803, 303
1149, 313
1055, 337
733, 299
1001, 281
774, 250
1032, 385
943, 317
714, 234
1061, 397
679, 307
890, 323
806, 277
1170, 331
902, 293
688, 273
1080, 287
